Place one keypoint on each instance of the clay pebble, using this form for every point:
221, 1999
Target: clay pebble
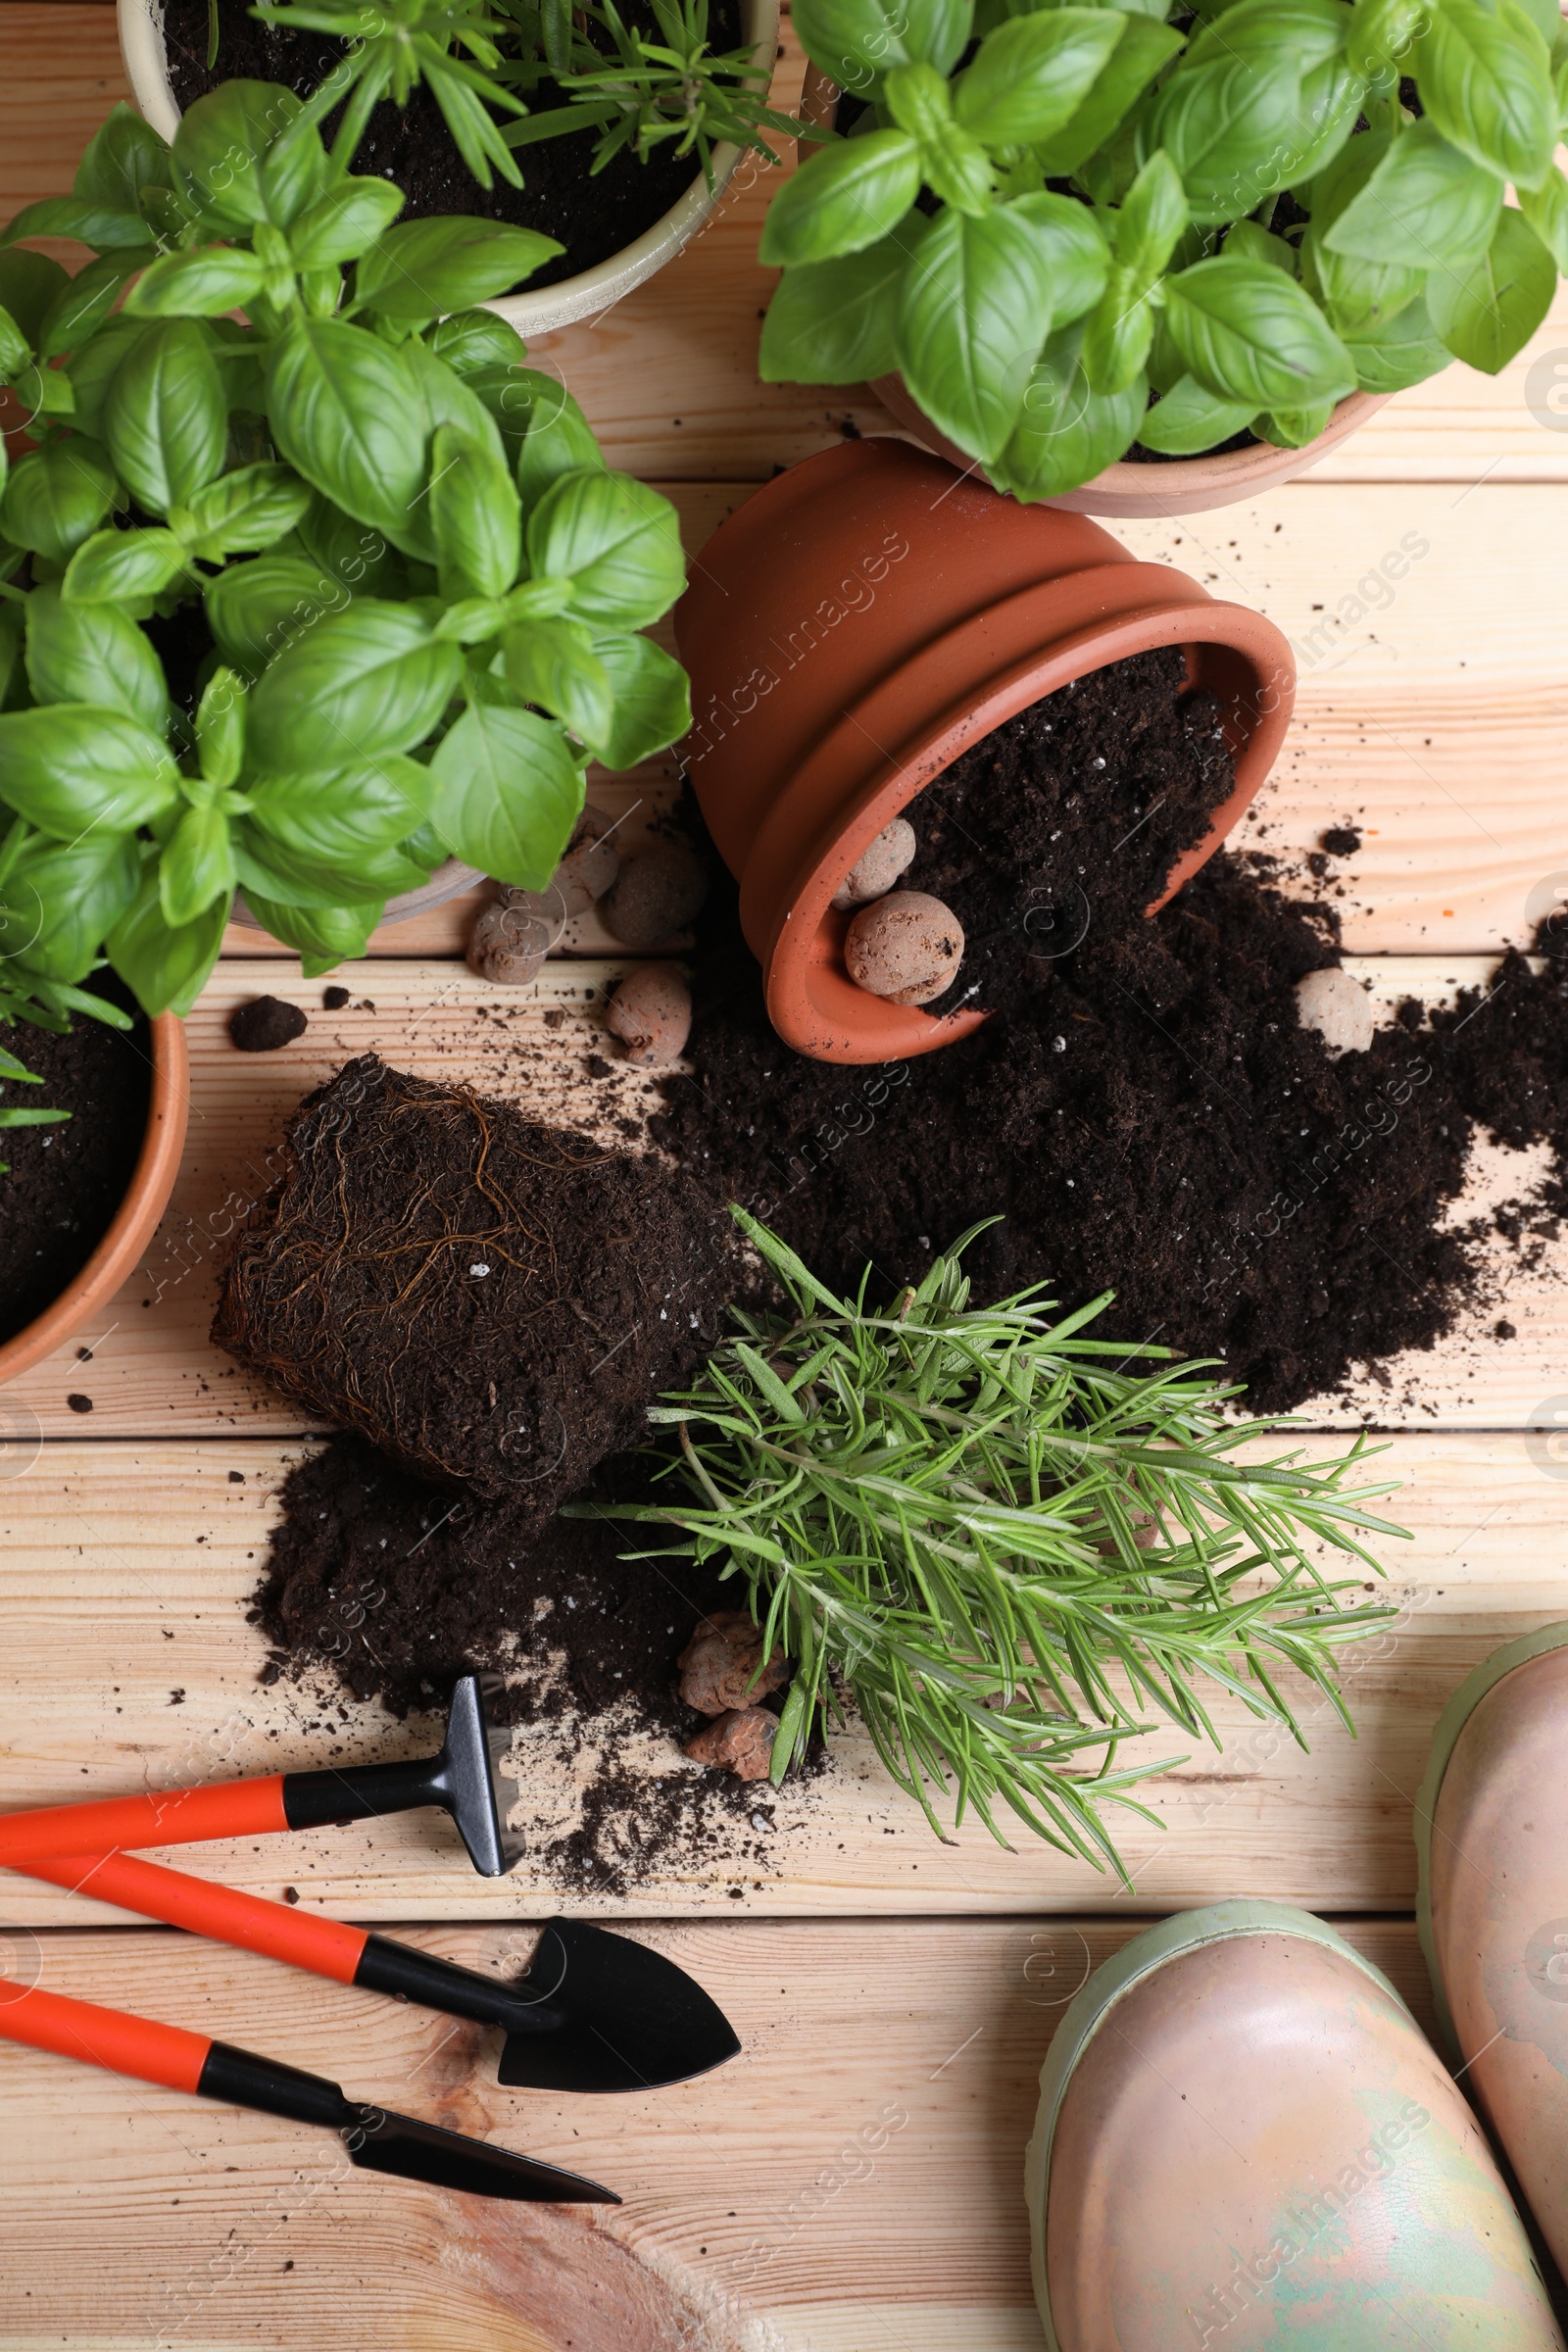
906, 947
1339, 1008
719, 1661
740, 1741
657, 894
511, 937
882, 862
591, 864
651, 1012
264, 1024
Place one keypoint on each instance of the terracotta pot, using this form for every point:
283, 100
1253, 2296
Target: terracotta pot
1171, 486
135, 1219
854, 627
591, 291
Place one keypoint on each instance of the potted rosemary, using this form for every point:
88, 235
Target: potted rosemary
612, 126
1012, 1544
1211, 245
307, 603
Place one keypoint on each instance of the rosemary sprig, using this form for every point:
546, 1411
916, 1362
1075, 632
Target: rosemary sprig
1004, 1545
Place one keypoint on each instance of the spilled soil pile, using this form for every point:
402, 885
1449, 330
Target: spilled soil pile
398, 1588
490, 1300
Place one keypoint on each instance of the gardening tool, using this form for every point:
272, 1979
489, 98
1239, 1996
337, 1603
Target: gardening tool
594, 2013
376, 2139
464, 1780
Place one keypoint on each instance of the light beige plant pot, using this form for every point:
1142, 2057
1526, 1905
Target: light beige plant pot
448, 881
592, 291
1165, 486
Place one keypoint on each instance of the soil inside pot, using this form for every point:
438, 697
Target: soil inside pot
1014, 835
591, 217
66, 1182
491, 1301
385, 1581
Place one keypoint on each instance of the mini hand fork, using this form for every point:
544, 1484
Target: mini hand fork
596, 2013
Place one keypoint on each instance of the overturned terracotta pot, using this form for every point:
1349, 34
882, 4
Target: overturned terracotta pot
862, 621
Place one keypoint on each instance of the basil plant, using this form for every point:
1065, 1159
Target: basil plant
306, 600
1074, 227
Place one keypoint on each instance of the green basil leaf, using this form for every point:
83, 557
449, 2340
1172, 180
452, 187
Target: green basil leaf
346, 551
1065, 433
1354, 292
856, 41
197, 866
849, 195
1546, 209
123, 157
508, 793
475, 515
1383, 33
93, 365
13, 669
1117, 337
1251, 333
74, 766
220, 149
83, 303
361, 682
1227, 125
335, 818
1030, 76
256, 610
244, 511
132, 569
1389, 354
58, 495
16, 351
835, 322
69, 896
221, 728
1153, 214
165, 970
650, 700
325, 936
294, 171
1487, 313
291, 877
29, 283
1147, 44
422, 268
165, 418
340, 225
545, 430
1485, 77
92, 654
1073, 247
1425, 204
443, 397
1251, 241
473, 342
340, 408
974, 311
1293, 428
616, 540
1189, 419
101, 226
202, 284
553, 664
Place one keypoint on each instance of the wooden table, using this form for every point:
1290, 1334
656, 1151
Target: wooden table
896, 1995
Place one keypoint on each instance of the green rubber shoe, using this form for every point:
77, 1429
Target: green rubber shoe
1244, 2141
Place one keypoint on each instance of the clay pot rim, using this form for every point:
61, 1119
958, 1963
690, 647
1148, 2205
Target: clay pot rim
135, 1221
584, 295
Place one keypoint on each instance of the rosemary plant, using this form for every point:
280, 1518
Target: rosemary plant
1001, 1543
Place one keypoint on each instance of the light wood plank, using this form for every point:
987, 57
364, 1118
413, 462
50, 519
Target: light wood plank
153, 1370
127, 1662
869, 2200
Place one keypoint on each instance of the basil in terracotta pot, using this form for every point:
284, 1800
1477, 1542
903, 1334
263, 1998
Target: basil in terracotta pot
307, 602
1074, 228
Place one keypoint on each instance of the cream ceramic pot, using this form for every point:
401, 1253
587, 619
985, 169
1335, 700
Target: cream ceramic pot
585, 296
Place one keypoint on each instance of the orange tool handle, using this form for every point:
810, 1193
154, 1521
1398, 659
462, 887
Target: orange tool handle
226, 1914
163, 1817
107, 2038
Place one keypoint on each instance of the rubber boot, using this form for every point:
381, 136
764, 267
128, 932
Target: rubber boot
1492, 1835
1245, 2140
